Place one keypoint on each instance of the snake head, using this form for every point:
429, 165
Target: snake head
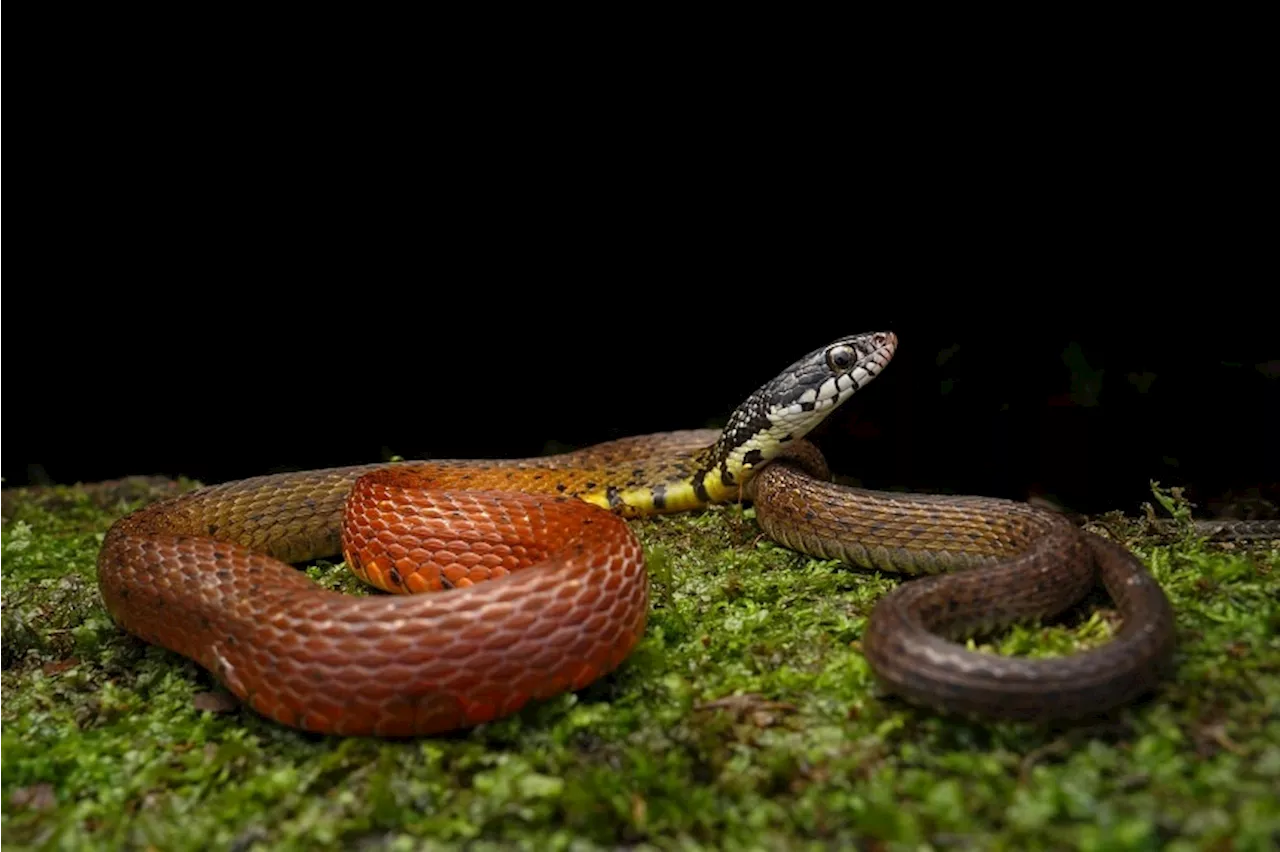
806, 392
797, 400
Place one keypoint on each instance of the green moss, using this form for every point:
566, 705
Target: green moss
746, 718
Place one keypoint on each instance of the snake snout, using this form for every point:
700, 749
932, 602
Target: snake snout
884, 344
878, 352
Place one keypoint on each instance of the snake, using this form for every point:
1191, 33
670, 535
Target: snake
543, 582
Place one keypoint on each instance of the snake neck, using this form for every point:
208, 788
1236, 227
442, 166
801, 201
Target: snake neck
750, 440
678, 481
652, 474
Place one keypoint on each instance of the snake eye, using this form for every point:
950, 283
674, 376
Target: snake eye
840, 358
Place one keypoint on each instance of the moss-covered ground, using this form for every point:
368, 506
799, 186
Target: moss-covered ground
746, 719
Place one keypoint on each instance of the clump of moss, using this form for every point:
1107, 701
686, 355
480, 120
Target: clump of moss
747, 717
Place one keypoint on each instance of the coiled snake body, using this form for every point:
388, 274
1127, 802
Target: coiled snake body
548, 585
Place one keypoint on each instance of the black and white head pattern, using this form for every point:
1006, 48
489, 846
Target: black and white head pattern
802, 396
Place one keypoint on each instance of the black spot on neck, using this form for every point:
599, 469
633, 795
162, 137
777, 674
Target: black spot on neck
700, 487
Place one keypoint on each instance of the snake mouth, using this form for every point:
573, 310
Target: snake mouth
886, 344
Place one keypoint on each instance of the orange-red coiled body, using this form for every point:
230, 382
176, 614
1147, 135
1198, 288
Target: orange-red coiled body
205, 575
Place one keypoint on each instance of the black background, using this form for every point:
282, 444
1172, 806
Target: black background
1076, 401
218, 289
